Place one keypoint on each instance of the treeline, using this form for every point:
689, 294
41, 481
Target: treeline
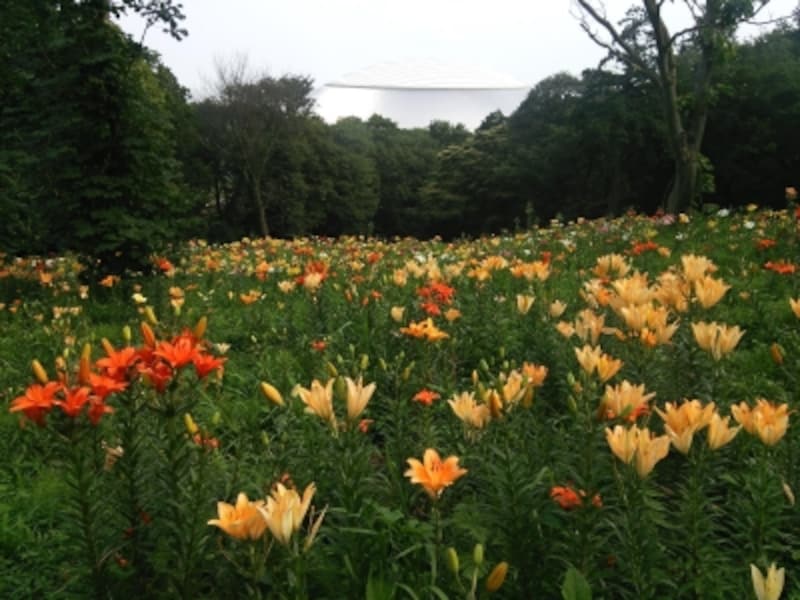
102, 152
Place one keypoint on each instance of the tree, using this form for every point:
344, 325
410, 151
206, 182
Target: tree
646, 46
261, 114
88, 157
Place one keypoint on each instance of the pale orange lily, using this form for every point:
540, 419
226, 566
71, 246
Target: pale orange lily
434, 474
243, 520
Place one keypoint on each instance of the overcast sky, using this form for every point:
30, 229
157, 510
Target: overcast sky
325, 39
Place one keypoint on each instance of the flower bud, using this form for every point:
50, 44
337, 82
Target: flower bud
39, 372
475, 377
497, 577
191, 426
407, 371
216, 418
85, 365
383, 365
126, 334
452, 560
364, 362
150, 315
147, 335
477, 555
271, 393
776, 351
109, 349
200, 328
332, 370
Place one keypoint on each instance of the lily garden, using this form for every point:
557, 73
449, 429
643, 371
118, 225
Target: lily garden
594, 409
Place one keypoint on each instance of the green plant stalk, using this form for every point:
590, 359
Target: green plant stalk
129, 465
696, 517
83, 502
638, 533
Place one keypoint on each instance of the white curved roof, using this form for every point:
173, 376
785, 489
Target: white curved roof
427, 75
414, 93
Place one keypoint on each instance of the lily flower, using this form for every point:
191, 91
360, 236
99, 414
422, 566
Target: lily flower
285, 511
243, 520
434, 474
357, 397
318, 399
769, 587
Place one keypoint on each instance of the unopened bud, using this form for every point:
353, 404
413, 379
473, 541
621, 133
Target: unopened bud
271, 393
776, 351
85, 366
383, 365
147, 335
787, 491
332, 370
364, 362
475, 377
150, 315
126, 334
216, 418
191, 426
477, 555
497, 577
501, 352
200, 328
109, 349
340, 388
407, 371
452, 560
39, 372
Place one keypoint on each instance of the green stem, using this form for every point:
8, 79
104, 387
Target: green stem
83, 485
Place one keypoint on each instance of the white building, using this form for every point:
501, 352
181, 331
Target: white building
414, 93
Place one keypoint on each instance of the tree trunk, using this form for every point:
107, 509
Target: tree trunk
684, 185
259, 202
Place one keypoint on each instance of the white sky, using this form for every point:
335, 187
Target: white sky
325, 39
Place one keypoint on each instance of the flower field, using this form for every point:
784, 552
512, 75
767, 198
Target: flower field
599, 409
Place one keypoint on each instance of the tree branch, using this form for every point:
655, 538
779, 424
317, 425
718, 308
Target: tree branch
619, 48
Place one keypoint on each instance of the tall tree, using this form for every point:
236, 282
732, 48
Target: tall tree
645, 44
261, 114
85, 127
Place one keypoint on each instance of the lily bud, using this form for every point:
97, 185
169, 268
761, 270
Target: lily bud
39, 372
452, 560
85, 366
475, 377
364, 362
340, 388
497, 577
126, 334
147, 335
191, 426
109, 349
216, 418
407, 371
776, 351
383, 365
332, 370
150, 315
200, 328
271, 393
477, 555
